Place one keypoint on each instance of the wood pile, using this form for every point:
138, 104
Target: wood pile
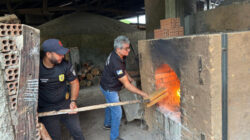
90, 75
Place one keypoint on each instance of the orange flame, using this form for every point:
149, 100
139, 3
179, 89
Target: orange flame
165, 77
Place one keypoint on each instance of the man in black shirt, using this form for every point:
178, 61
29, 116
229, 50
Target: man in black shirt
53, 95
113, 78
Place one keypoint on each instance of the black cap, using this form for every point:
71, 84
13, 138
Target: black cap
54, 45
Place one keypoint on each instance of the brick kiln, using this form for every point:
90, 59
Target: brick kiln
207, 77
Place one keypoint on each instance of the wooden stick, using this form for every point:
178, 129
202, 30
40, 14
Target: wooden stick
157, 94
156, 100
153, 99
44, 133
87, 108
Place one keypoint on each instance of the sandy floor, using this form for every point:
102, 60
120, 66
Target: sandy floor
92, 121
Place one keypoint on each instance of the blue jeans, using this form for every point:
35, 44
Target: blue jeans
113, 114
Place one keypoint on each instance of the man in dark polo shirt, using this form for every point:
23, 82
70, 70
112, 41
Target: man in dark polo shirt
53, 95
113, 78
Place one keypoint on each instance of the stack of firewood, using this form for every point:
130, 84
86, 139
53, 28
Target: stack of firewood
90, 75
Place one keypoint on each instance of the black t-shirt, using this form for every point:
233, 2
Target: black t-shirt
113, 70
52, 86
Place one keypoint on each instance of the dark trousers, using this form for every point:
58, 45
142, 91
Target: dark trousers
53, 125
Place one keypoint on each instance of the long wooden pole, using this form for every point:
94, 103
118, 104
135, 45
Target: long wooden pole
153, 99
93, 107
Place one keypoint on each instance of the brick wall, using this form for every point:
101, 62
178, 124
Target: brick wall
169, 28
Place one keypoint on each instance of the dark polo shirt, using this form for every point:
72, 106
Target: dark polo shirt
113, 70
52, 86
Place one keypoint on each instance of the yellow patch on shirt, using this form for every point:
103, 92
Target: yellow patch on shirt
119, 72
67, 96
61, 77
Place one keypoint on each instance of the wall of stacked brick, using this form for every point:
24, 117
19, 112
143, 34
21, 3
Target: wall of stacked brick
170, 27
9, 55
19, 52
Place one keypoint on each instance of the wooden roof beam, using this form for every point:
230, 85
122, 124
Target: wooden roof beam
40, 11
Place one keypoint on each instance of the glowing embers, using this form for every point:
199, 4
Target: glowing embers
165, 77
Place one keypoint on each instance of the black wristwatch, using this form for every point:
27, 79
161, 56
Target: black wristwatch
73, 101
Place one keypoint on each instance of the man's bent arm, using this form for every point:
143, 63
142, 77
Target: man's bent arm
74, 94
129, 77
74, 89
131, 87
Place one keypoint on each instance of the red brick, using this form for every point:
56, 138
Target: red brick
170, 23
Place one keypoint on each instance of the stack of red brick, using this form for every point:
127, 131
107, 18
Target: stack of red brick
169, 28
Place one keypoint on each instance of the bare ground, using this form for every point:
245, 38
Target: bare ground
92, 121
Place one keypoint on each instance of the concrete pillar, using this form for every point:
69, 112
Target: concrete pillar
174, 9
170, 9
155, 11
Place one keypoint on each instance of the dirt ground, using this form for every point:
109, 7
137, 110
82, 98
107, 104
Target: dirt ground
92, 121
